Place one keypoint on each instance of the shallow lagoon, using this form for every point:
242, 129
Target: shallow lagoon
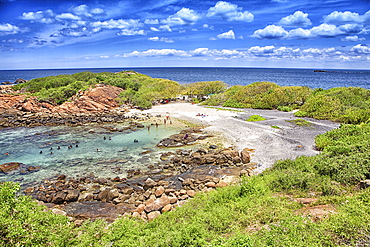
117, 149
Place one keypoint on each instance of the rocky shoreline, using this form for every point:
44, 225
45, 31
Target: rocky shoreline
144, 194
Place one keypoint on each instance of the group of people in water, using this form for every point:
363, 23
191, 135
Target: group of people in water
51, 152
166, 120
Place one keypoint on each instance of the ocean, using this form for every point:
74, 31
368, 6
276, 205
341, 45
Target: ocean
231, 76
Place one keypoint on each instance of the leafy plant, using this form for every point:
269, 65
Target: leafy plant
255, 118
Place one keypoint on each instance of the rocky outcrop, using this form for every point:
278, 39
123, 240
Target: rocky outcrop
186, 137
92, 105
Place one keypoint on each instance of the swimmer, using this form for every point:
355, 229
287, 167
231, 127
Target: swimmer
104, 138
156, 125
136, 140
109, 138
76, 145
58, 147
51, 148
148, 127
98, 150
51, 152
41, 152
6, 153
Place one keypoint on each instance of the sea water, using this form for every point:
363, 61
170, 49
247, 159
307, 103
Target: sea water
231, 76
80, 151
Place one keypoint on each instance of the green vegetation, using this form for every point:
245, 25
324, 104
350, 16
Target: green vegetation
139, 89
300, 122
262, 95
345, 105
257, 212
255, 118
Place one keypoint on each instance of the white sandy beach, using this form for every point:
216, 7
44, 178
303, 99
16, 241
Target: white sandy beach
270, 144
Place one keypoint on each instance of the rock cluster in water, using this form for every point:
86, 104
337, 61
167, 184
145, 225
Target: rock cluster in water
145, 194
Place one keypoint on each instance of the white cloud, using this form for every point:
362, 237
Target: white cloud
228, 35
270, 32
337, 17
362, 49
157, 52
120, 24
184, 16
352, 39
326, 30
67, 16
151, 21
165, 28
298, 19
351, 28
154, 29
7, 29
46, 16
299, 33
162, 39
230, 12
86, 11
131, 32
279, 1
258, 51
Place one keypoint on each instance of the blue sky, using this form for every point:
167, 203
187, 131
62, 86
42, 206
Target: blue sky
191, 33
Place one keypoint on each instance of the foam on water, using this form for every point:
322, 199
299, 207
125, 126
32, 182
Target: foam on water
116, 153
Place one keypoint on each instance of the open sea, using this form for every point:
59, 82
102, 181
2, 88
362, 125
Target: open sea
231, 76
117, 152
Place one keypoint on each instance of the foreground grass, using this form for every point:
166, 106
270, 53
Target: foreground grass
260, 211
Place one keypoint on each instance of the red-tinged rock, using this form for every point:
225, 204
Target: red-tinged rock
166, 208
159, 192
221, 184
210, 185
152, 215
7, 167
190, 193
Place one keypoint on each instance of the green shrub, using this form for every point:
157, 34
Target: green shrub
255, 118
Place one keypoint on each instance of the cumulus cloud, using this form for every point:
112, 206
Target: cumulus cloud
67, 16
230, 12
324, 30
157, 52
162, 39
298, 19
46, 16
7, 28
361, 49
260, 51
352, 39
184, 16
338, 18
270, 32
227, 35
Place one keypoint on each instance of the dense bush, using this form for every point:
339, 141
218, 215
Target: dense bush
24, 223
264, 95
343, 104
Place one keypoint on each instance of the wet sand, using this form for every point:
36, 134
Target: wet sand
285, 140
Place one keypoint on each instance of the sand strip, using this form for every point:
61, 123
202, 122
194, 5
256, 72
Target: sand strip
285, 141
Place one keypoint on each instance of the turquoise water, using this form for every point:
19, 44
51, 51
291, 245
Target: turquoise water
116, 153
